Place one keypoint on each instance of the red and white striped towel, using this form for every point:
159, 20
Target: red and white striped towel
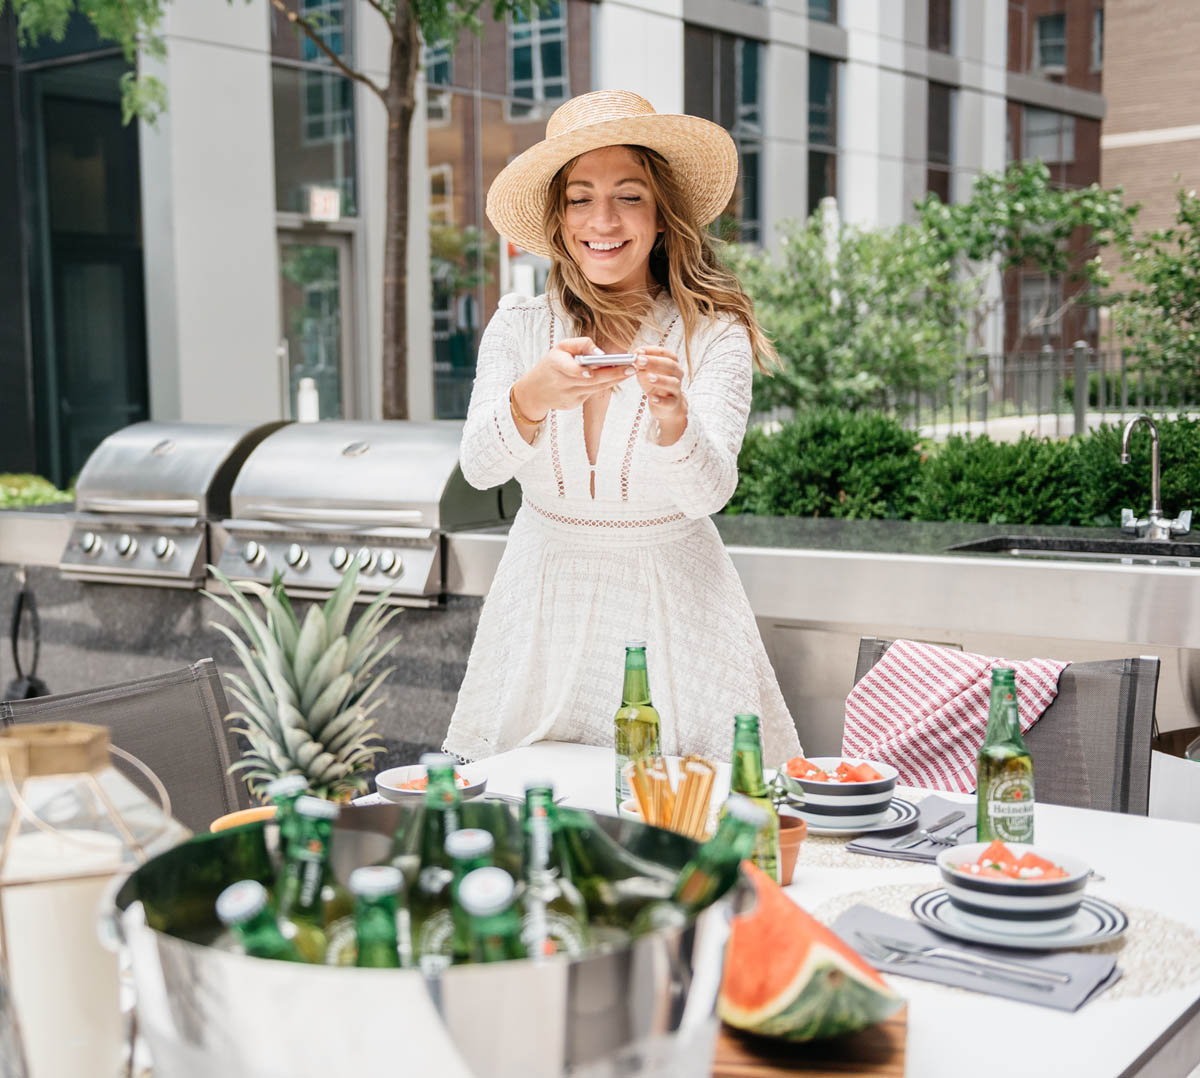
923, 709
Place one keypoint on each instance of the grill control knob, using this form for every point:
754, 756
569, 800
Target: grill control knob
340, 558
296, 556
366, 559
126, 546
90, 543
253, 553
390, 563
164, 547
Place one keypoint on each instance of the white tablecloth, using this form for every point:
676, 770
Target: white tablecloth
1149, 863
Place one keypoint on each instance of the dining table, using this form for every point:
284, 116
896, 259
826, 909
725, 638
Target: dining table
1146, 1024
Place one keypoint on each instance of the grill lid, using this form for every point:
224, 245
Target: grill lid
364, 474
167, 469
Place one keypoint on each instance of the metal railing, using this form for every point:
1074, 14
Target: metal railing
1047, 392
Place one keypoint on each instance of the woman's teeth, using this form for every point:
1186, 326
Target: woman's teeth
596, 246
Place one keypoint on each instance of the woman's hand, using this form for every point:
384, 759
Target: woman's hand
558, 380
661, 378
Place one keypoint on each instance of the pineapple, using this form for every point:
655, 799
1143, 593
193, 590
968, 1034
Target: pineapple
306, 699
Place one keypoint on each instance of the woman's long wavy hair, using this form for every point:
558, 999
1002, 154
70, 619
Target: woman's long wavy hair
682, 261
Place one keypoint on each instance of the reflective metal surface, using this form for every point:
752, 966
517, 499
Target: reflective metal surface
315, 498
645, 1010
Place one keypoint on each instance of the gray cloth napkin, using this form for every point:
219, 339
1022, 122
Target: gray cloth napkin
1090, 974
932, 809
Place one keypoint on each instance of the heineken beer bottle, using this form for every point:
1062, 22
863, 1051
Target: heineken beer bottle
636, 721
305, 866
712, 872
1004, 789
283, 793
747, 779
493, 924
243, 907
468, 849
554, 916
375, 888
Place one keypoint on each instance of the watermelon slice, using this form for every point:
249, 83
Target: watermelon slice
787, 975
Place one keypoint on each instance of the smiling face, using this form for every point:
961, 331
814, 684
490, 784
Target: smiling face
610, 221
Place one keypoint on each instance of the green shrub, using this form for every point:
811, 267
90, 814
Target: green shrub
828, 464
1032, 481
19, 491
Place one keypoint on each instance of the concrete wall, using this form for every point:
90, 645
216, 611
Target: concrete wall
208, 206
639, 47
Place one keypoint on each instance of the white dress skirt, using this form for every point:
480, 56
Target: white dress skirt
641, 560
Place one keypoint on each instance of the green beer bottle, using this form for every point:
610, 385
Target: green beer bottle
493, 924
298, 892
282, 793
712, 872
243, 907
636, 722
747, 779
429, 891
554, 916
468, 849
375, 888
1004, 786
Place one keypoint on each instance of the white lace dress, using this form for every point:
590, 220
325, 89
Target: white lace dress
640, 560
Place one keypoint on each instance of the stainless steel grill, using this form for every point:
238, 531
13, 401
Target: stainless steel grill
314, 497
145, 497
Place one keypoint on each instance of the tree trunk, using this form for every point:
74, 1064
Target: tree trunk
402, 76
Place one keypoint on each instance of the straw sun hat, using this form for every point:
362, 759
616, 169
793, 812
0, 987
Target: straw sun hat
701, 154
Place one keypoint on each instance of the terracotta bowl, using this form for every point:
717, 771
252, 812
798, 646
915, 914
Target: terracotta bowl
236, 819
792, 830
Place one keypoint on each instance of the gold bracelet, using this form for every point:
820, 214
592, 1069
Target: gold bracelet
517, 414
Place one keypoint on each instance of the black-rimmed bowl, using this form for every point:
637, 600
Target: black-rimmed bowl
1028, 907
843, 804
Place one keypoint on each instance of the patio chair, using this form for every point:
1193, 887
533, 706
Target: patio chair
173, 722
1091, 747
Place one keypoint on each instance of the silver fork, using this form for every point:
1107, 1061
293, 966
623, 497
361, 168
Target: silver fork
973, 963
877, 953
952, 838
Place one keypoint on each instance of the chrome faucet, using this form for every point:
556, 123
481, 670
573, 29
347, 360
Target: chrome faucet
1154, 526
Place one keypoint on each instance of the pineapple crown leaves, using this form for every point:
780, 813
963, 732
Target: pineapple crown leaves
306, 700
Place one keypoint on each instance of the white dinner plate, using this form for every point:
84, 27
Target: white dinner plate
899, 813
1096, 922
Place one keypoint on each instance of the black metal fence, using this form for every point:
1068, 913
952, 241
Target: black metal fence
1050, 391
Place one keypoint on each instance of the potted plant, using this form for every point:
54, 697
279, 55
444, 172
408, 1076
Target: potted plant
309, 688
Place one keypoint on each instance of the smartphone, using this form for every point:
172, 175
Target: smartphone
613, 359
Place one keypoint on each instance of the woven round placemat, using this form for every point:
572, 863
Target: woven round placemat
1156, 954
829, 851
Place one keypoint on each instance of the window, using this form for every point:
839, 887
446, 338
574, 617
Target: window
1050, 43
1041, 306
437, 63
822, 10
1098, 39
328, 19
441, 194
822, 129
723, 83
326, 108
940, 140
940, 33
537, 59
1048, 135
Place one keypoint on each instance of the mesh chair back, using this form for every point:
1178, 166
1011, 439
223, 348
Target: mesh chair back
1091, 747
173, 722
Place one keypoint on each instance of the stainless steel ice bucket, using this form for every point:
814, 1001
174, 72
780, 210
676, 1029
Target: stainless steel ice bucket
644, 1010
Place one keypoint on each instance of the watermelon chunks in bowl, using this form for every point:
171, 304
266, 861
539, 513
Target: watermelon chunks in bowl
787, 975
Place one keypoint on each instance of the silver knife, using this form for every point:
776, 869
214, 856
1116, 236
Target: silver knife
908, 841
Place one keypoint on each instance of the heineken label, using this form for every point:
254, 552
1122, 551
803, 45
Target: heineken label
1010, 808
546, 931
436, 939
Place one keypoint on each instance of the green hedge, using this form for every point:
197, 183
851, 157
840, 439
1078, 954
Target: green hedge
19, 491
856, 465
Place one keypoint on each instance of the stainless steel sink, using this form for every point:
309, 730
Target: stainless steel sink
1116, 549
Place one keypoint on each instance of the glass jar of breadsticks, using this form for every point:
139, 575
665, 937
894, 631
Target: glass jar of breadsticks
685, 807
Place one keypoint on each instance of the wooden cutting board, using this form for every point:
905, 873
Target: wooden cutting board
877, 1052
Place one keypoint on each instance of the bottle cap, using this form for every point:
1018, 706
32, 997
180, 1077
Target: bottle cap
742, 808
634, 644
315, 808
1003, 673
240, 901
437, 759
485, 891
469, 842
375, 881
286, 786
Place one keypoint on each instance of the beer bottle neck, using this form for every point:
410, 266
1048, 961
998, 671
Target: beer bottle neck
636, 689
1003, 717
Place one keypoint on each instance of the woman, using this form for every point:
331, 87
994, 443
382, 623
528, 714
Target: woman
620, 465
